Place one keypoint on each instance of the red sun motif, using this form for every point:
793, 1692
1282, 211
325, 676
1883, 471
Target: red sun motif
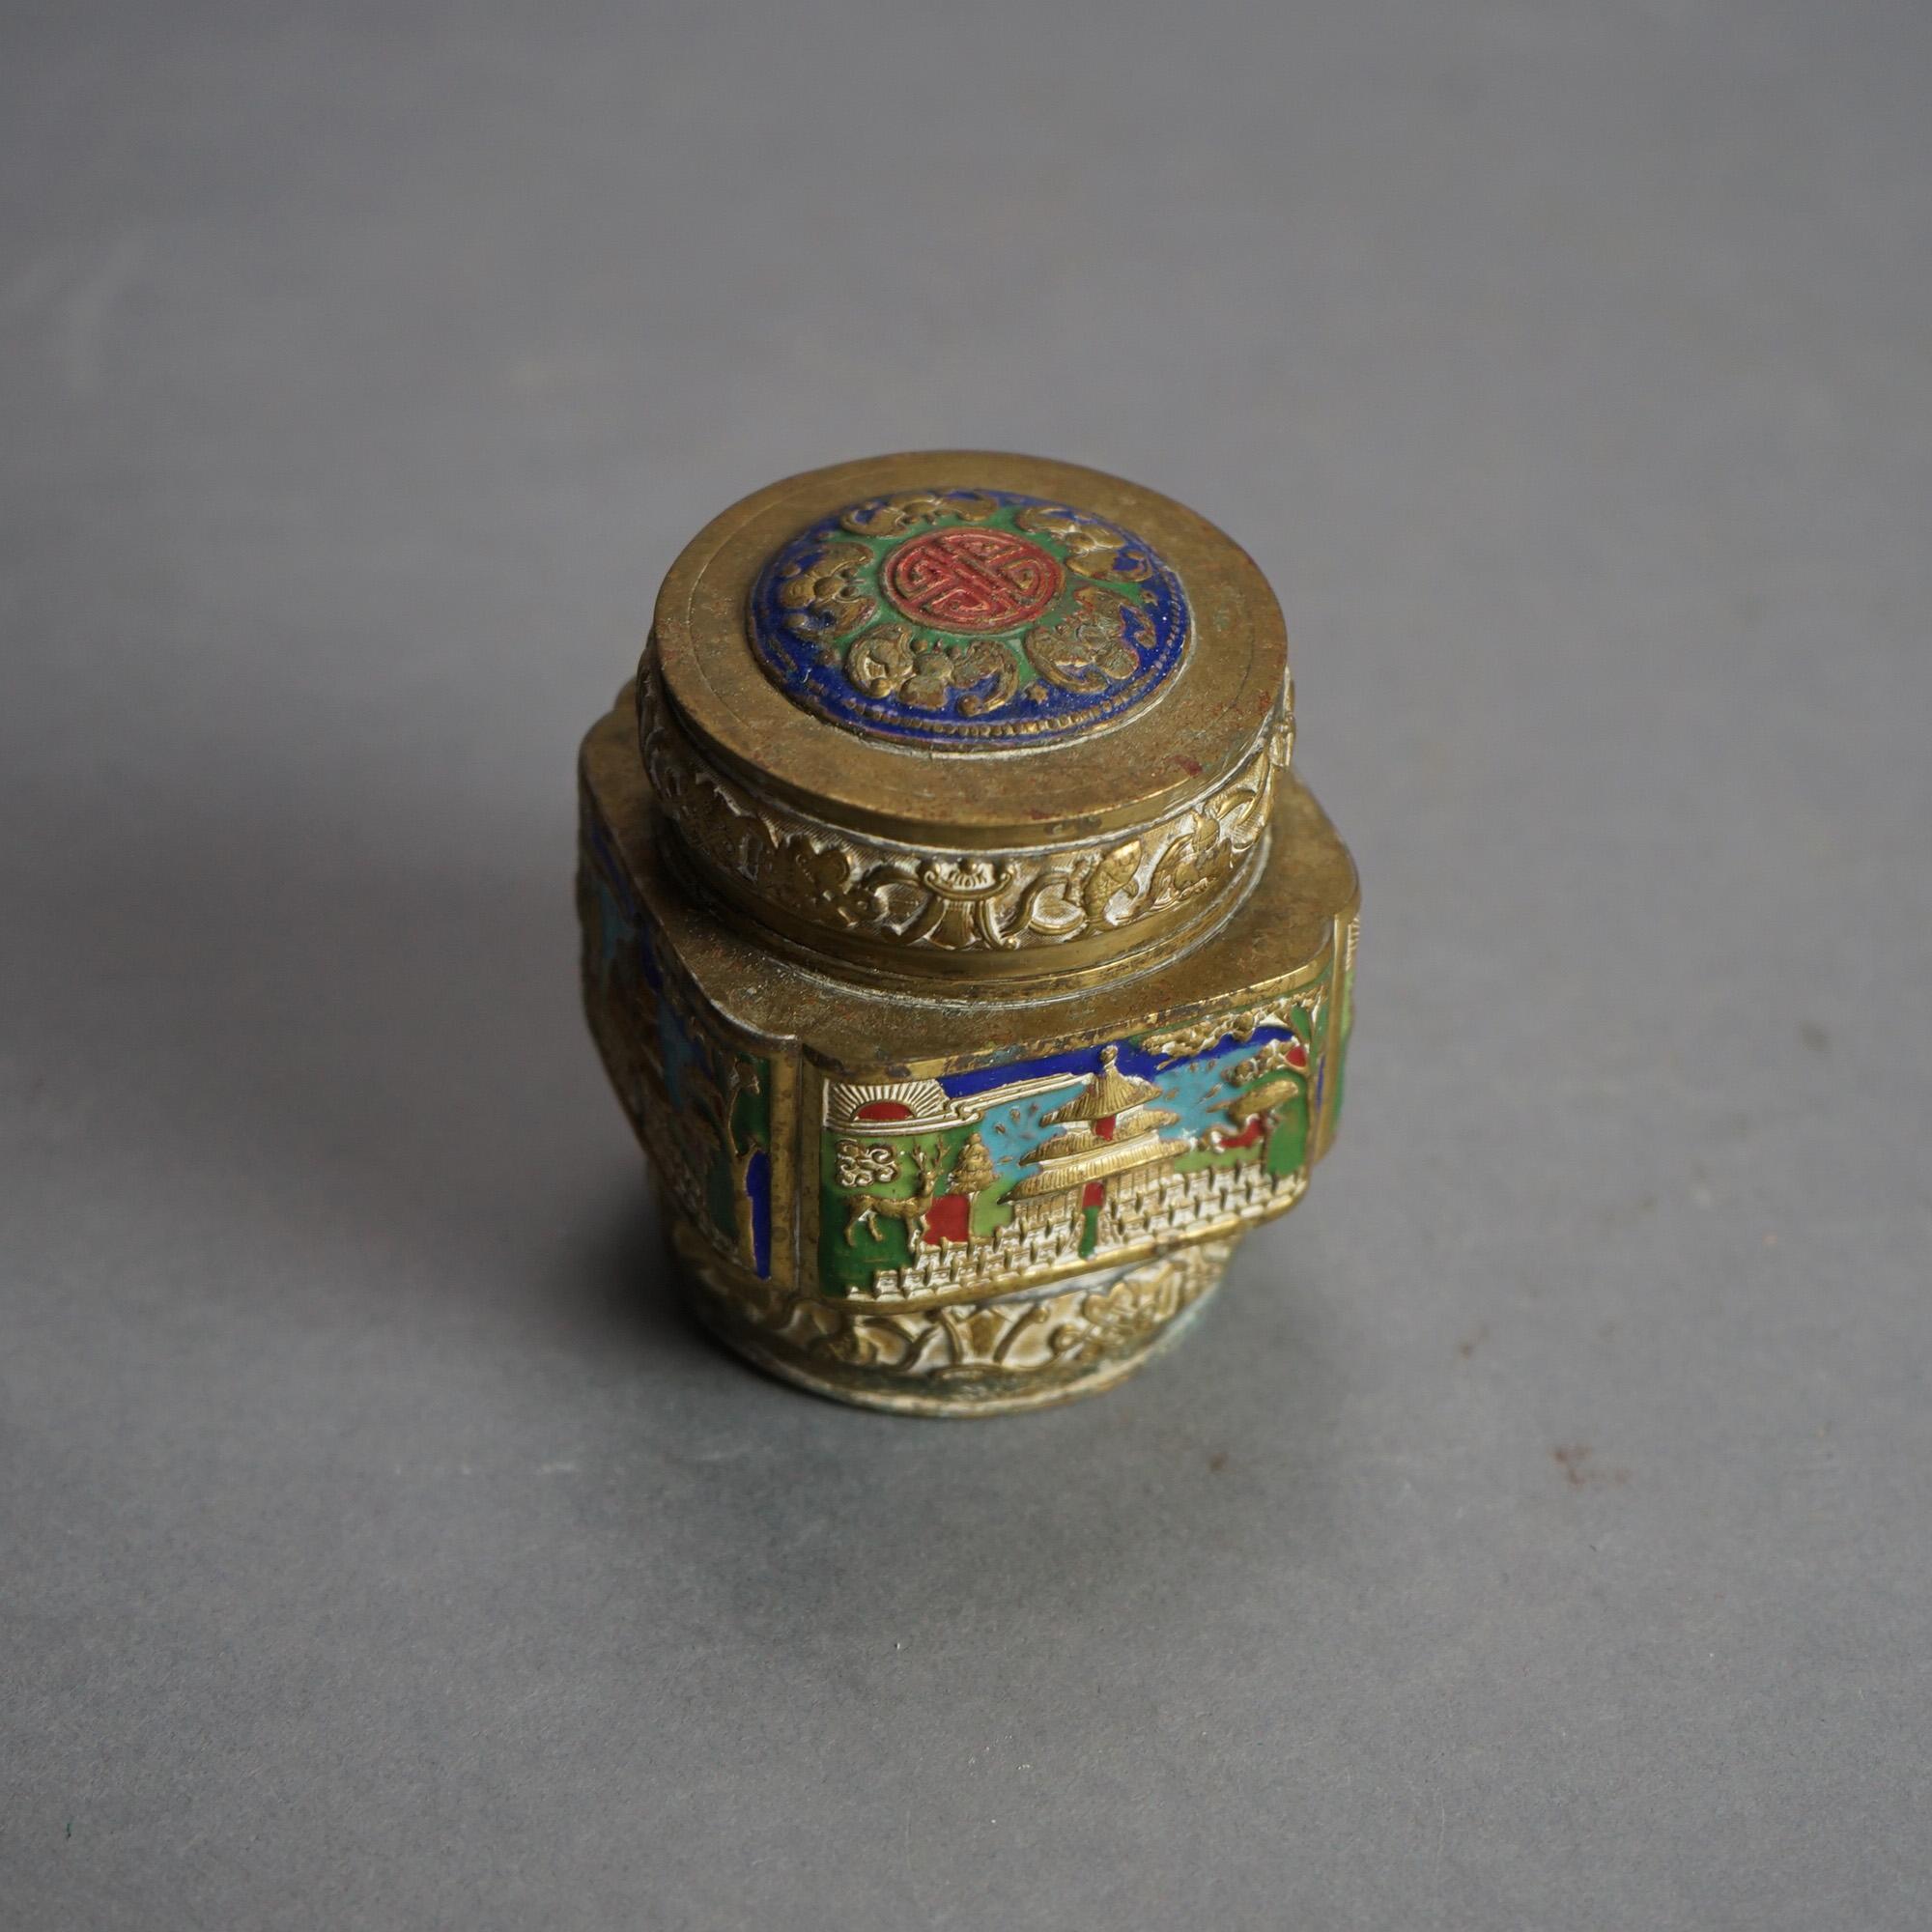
972, 579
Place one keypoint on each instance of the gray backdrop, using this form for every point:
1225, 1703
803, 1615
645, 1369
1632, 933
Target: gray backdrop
1533, 1535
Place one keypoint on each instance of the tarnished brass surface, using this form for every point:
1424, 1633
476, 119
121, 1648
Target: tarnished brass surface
963, 1061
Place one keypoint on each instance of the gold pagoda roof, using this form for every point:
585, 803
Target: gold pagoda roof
1108, 1093
1095, 1163
1136, 1126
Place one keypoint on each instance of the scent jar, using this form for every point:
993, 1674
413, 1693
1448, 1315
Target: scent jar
973, 965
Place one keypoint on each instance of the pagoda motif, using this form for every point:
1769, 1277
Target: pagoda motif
1110, 1150
1113, 1177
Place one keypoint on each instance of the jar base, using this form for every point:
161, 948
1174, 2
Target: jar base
1030, 1349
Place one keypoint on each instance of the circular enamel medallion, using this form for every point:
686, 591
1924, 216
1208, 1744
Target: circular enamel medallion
968, 619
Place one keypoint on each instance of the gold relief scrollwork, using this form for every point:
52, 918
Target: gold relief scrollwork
996, 1348
1198, 859
962, 909
1088, 648
990, 901
866, 1164
881, 664
1110, 875
973, 665
1184, 1042
1092, 549
927, 686
821, 601
894, 516
1281, 743
890, 661
1215, 838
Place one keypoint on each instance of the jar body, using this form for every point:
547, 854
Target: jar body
959, 1198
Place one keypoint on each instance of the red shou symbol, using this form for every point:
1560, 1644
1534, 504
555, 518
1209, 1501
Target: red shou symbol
972, 579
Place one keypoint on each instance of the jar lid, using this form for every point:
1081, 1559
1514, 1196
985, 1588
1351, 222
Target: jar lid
962, 714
